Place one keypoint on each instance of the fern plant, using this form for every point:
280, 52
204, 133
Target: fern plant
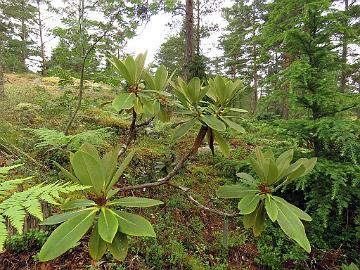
257, 194
99, 210
15, 206
54, 139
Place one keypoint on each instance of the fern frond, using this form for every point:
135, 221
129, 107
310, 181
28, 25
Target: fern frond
17, 205
53, 139
16, 214
5, 170
3, 232
10, 185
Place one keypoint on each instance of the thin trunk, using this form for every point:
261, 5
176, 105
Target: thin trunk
198, 28
82, 67
2, 82
189, 37
344, 53
42, 46
23, 36
85, 54
80, 96
254, 53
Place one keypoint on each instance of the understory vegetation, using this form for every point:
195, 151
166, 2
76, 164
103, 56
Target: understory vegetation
187, 236
244, 154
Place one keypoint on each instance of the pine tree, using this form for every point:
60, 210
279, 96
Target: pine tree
17, 33
241, 42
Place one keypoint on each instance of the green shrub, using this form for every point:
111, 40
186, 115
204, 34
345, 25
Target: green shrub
29, 241
53, 139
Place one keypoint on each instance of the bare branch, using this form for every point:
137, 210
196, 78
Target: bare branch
176, 169
166, 180
131, 136
198, 204
146, 123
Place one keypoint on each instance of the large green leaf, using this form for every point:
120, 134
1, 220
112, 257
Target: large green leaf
259, 220
273, 172
182, 129
292, 226
182, 98
297, 173
109, 162
67, 235
192, 90
136, 202
297, 211
309, 164
90, 149
148, 105
60, 218
120, 67
220, 89
149, 79
120, 170
257, 168
248, 204
248, 179
164, 115
119, 246
238, 110
213, 122
249, 220
271, 208
72, 204
66, 173
108, 224
132, 68
124, 101
140, 62
136, 225
283, 161
233, 125
88, 170
138, 106
97, 246
292, 168
224, 146
235, 191
161, 76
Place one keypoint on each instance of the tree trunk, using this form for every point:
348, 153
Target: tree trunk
42, 46
344, 53
82, 68
2, 82
254, 53
189, 37
23, 36
198, 27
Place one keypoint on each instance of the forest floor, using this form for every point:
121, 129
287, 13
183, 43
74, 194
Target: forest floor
187, 237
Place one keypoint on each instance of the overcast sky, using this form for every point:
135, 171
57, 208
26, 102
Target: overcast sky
151, 36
